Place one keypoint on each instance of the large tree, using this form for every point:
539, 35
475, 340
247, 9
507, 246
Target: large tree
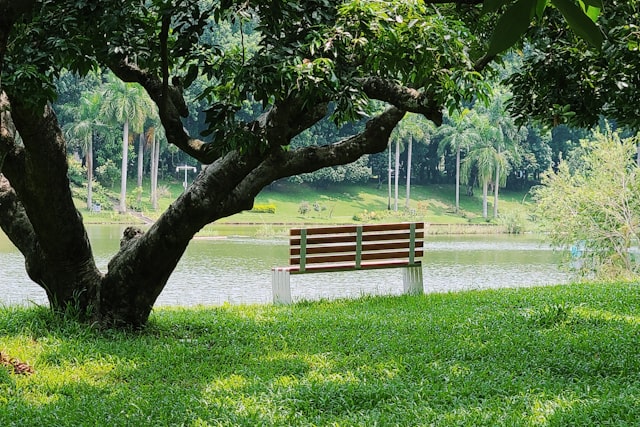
411, 55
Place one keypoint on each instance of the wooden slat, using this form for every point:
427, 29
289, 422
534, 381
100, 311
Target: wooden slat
366, 247
352, 228
349, 266
353, 247
342, 238
294, 260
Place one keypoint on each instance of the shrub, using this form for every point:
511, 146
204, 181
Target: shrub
595, 199
76, 171
108, 173
303, 208
269, 208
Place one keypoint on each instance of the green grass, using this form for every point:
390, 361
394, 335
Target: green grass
344, 204
551, 356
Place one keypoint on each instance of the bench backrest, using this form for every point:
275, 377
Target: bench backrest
354, 247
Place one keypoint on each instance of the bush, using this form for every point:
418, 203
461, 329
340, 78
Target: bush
594, 199
264, 208
108, 173
76, 172
303, 208
514, 221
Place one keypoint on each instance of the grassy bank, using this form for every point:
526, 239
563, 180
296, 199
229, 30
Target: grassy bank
551, 356
299, 204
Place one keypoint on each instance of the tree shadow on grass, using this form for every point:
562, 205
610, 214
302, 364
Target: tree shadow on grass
470, 359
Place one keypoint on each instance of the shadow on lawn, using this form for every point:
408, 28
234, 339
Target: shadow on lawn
476, 358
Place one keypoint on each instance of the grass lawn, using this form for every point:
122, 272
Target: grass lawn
340, 204
550, 356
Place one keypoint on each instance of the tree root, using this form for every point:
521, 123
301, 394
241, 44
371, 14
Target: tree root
19, 367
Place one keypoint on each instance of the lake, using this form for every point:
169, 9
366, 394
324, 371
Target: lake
236, 269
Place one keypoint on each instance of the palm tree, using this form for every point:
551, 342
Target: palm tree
458, 133
416, 129
505, 136
490, 156
128, 104
86, 122
411, 128
155, 133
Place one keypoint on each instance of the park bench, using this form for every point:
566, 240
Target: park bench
352, 248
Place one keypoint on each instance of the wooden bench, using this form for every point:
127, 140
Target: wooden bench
351, 248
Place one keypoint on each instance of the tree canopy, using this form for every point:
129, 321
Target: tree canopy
301, 62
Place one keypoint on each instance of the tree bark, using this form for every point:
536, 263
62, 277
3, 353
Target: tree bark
458, 179
124, 166
141, 145
155, 155
406, 204
89, 157
38, 215
485, 191
397, 173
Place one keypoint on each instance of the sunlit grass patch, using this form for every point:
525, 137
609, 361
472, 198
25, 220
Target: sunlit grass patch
564, 355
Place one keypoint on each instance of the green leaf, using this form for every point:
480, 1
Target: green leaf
593, 13
540, 7
511, 26
490, 6
579, 22
593, 3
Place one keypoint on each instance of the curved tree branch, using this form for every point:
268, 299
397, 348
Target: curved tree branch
403, 97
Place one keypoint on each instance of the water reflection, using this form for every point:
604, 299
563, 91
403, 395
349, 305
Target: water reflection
238, 269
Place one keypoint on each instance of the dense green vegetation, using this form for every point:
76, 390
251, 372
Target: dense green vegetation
552, 356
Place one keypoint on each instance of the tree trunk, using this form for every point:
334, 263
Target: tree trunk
406, 204
125, 162
397, 172
141, 144
458, 179
154, 172
38, 215
89, 157
485, 191
389, 178
495, 191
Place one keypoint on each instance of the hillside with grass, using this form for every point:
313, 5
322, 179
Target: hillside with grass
287, 203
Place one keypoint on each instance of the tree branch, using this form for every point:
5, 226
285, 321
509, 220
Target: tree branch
281, 123
170, 111
403, 97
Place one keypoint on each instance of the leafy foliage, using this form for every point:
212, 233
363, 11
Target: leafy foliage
587, 83
593, 207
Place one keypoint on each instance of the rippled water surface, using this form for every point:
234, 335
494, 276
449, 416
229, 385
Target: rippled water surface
237, 269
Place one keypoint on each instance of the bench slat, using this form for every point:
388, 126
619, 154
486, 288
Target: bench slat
352, 247
352, 228
349, 266
403, 255
351, 237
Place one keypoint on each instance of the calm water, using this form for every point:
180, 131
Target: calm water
238, 269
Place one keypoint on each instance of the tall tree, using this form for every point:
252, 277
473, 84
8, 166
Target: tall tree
311, 56
155, 134
501, 129
412, 129
126, 104
86, 121
458, 132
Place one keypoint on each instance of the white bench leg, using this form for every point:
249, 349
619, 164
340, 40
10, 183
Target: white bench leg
281, 285
412, 280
